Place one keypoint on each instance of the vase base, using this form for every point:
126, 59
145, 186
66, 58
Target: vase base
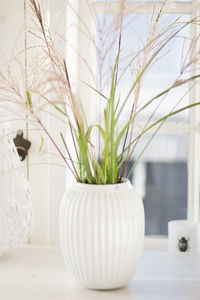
106, 289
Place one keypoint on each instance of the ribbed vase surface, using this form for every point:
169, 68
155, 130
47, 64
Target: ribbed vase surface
101, 233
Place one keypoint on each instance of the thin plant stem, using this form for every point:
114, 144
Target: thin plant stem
55, 145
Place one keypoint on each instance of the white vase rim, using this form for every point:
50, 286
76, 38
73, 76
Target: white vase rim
125, 184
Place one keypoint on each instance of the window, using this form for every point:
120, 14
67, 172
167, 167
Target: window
168, 173
174, 153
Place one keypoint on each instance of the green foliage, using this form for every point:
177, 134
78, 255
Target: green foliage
107, 170
101, 164
29, 101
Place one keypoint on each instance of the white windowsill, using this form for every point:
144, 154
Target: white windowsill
39, 273
156, 242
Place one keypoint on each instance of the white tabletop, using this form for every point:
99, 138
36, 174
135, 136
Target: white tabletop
38, 273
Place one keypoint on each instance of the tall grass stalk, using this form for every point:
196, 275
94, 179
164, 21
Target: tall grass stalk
103, 162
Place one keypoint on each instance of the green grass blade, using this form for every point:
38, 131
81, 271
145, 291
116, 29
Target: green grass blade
28, 96
154, 55
68, 152
83, 146
157, 122
52, 104
94, 89
41, 145
167, 90
100, 173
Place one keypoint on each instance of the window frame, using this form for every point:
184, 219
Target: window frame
192, 127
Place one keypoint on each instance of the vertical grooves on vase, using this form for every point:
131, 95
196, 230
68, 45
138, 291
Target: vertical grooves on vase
74, 233
90, 247
90, 233
118, 236
79, 233
87, 236
65, 225
127, 236
89, 220
106, 237
121, 216
101, 233
63, 218
71, 234
97, 220
64, 209
102, 224
98, 229
114, 244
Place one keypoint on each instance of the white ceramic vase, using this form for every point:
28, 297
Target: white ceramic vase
102, 233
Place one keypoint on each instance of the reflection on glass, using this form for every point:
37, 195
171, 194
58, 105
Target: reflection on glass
161, 175
161, 179
160, 76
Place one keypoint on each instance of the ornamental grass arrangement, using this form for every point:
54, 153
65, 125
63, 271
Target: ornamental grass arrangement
100, 151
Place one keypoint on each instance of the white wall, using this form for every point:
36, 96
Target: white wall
47, 181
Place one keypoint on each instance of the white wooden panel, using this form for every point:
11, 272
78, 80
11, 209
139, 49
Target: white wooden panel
12, 41
57, 171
